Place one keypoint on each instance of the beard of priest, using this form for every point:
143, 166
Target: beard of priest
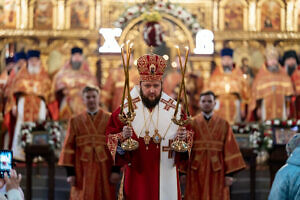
150, 171
271, 90
150, 94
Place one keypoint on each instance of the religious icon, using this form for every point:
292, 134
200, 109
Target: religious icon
43, 14
8, 13
233, 15
79, 14
270, 16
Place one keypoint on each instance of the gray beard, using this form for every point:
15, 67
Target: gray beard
76, 65
33, 69
273, 68
227, 69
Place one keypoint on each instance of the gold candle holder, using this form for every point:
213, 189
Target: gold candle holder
127, 118
180, 145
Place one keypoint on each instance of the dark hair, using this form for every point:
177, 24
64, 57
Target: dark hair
90, 88
208, 93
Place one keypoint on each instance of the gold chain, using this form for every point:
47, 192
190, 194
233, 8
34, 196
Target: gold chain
145, 121
156, 127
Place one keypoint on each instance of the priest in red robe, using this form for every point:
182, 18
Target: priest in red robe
291, 63
85, 154
151, 171
215, 155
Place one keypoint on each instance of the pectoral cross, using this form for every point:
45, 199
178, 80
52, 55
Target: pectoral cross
169, 104
134, 101
168, 149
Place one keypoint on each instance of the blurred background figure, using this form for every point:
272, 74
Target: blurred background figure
69, 82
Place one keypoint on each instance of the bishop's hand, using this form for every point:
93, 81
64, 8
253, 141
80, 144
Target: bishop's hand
181, 133
127, 132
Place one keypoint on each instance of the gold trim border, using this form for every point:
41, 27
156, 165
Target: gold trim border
90, 34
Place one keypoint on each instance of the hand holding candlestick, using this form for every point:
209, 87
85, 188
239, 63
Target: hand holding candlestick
180, 145
129, 144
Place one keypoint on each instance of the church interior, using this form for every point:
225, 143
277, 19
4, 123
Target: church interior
249, 32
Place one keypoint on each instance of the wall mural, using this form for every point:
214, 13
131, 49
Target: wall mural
79, 14
233, 14
270, 16
8, 13
43, 10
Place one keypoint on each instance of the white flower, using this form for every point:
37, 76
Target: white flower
268, 122
121, 20
255, 126
247, 128
188, 20
195, 27
256, 133
277, 122
269, 143
179, 12
25, 131
133, 10
298, 122
290, 122
170, 8
251, 138
160, 6
28, 138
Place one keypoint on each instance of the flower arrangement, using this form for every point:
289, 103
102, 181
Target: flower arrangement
159, 7
282, 123
53, 128
259, 137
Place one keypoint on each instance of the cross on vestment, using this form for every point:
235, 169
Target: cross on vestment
134, 101
168, 149
168, 104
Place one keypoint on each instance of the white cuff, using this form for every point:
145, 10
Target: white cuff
14, 194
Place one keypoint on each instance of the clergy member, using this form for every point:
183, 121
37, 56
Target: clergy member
215, 155
69, 82
85, 153
271, 90
291, 64
29, 97
150, 172
231, 89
